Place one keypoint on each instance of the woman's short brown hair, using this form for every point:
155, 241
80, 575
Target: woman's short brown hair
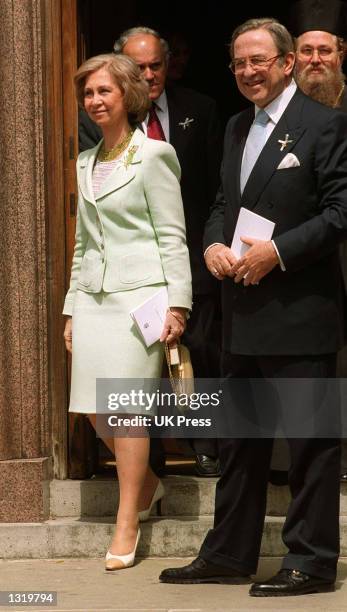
128, 77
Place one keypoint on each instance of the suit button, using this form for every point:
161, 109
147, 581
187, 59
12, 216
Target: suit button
100, 231
270, 205
102, 246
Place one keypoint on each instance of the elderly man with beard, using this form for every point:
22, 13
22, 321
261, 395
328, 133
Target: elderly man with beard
320, 28
320, 47
318, 69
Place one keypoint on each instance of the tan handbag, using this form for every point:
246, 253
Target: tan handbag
180, 369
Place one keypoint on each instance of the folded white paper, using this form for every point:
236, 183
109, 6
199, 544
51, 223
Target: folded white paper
250, 225
150, 316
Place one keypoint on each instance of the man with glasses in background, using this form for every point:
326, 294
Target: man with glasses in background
285, 158
320, 28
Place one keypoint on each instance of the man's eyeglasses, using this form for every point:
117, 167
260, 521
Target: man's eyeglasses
256, 63
323, 52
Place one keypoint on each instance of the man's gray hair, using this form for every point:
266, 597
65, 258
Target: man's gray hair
124, 37
281, 37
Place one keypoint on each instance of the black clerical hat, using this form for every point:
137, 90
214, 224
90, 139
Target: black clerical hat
326, 15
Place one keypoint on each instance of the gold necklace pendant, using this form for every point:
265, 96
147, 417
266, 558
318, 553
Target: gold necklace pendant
105, 156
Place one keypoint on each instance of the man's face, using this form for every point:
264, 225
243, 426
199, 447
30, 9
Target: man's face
262, 84
317, 56
146, 50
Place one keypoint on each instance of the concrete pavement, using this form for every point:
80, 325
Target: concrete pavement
83, 585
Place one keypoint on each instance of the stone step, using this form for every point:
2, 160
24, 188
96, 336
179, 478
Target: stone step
71, 537
185, 496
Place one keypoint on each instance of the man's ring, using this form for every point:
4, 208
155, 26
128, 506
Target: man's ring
215, 272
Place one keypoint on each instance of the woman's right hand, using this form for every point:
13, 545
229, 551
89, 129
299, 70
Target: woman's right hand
68, 334
174, 325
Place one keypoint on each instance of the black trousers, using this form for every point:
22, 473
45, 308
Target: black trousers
311, 529
203, 337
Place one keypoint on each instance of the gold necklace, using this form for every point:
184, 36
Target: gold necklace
338, 99
105, 156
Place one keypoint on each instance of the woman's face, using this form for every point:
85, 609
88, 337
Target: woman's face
103, 99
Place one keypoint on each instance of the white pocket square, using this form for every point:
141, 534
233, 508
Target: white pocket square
289, 161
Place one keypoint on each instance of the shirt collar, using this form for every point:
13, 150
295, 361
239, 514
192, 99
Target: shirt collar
161, 102
277, 107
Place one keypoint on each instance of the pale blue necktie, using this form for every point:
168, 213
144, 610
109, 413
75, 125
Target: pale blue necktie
255, 142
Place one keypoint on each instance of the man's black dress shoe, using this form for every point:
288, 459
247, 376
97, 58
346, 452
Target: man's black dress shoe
200, 571
290, 582
206, 466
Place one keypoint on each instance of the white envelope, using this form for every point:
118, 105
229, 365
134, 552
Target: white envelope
289, 161
150, 316
250, 225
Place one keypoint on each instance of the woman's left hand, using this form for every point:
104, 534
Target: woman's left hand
175, 324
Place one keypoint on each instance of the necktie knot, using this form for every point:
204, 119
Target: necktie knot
262, 117
153, 111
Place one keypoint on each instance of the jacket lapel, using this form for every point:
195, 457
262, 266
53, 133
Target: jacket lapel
85, 166
236, 148
288, 128
178, 118
119, 177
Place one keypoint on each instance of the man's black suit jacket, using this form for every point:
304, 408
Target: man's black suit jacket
299, 311
199, 151
343, 247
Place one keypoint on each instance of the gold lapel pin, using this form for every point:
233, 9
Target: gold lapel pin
284, 142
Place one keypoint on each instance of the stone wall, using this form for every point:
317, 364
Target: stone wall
24, 414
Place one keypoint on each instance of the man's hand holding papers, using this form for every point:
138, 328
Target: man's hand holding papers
258, 261
255, 253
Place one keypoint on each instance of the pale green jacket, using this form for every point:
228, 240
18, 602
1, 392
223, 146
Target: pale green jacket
133, 233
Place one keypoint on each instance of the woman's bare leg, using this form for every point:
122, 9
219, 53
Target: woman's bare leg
137, 483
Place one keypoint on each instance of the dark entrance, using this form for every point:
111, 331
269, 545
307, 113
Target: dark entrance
207, 27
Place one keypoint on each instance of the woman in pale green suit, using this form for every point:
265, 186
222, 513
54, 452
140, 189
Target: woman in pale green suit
130, 241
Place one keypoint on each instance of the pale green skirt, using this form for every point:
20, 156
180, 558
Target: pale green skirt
107, 344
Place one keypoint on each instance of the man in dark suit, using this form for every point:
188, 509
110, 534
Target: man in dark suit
282, 314
319, 28
189, 121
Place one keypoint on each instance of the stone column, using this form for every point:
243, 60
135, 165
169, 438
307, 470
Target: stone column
25, 465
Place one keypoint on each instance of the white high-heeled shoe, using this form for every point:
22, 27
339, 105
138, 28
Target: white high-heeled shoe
116, 562
156, 499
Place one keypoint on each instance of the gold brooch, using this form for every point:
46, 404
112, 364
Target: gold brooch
129, 157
